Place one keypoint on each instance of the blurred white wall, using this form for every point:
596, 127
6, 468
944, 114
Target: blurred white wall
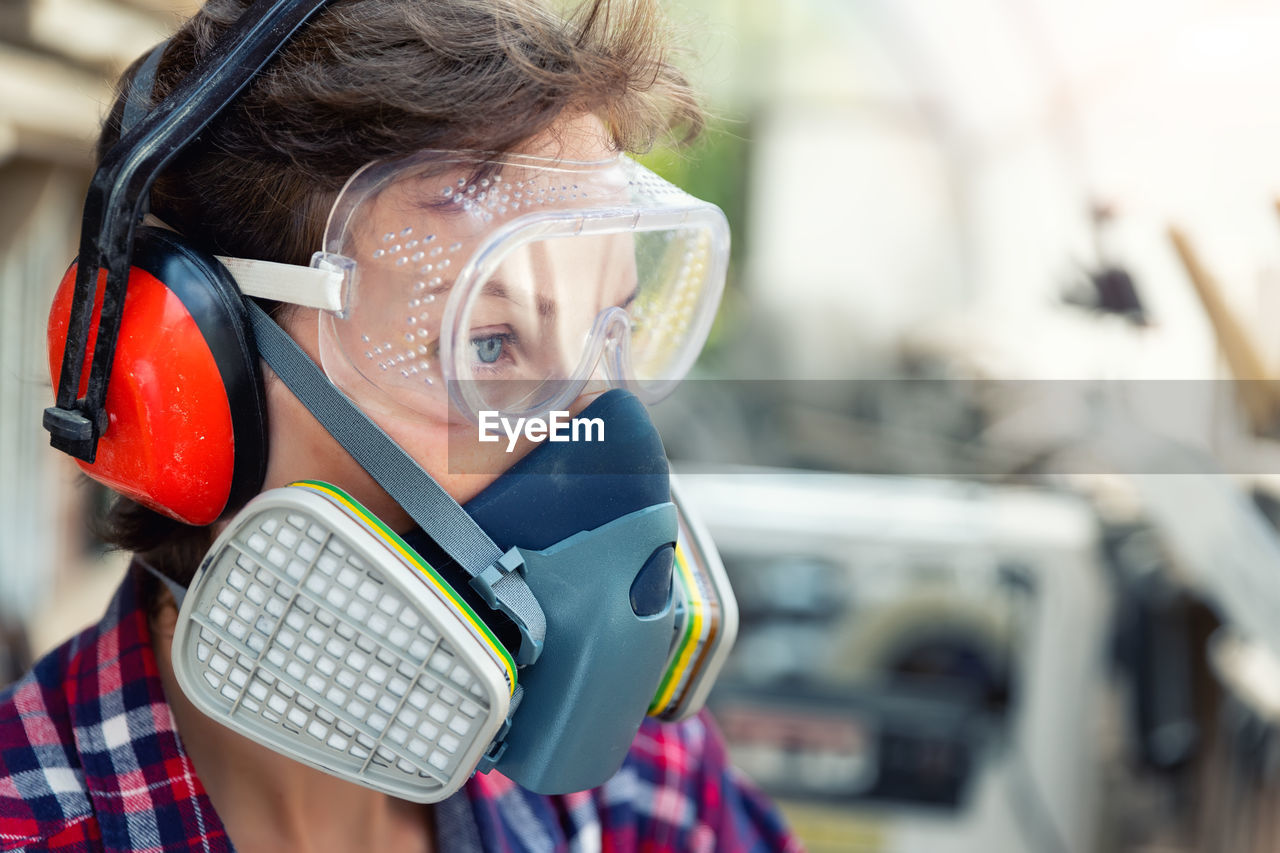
922, 165
57, 61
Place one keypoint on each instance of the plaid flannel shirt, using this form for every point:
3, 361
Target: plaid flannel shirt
90, 760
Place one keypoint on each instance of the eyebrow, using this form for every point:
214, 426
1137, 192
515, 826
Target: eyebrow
546, 307
496, 287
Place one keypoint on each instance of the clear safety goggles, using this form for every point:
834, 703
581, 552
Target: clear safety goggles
507, 283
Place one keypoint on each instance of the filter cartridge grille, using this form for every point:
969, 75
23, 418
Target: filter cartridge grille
292, 629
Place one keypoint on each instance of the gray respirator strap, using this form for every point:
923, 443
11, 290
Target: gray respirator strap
177, 590
498, 577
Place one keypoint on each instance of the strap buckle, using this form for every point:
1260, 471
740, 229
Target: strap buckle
75, 431
503, 587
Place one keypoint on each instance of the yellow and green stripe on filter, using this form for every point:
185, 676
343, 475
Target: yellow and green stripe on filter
496, 649
695, 633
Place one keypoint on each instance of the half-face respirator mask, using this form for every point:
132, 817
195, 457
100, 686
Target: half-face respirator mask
530, 631
314, 629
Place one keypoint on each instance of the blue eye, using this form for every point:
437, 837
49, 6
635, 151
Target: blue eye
489, 349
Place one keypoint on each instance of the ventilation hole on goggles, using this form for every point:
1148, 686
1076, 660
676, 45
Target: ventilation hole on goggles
388, 237
455, 247
445, 263
417, 256
435, 282
379, 253
446, 192
436, 251
401, 261
423, 316
421, 285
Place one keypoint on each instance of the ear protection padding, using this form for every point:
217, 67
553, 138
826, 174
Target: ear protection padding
187, 415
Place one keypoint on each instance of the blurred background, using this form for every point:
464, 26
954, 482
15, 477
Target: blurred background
985, 433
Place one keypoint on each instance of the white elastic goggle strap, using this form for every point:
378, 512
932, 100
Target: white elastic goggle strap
311, 287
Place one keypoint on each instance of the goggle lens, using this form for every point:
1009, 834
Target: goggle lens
507, 285
629, 308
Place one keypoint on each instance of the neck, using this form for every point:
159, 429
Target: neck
269, 802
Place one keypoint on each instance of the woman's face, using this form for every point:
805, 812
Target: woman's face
563, 279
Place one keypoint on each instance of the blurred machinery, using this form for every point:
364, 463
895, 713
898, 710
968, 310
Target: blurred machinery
1242, 764
919, 661
1106, 287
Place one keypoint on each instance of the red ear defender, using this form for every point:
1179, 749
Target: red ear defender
187, 417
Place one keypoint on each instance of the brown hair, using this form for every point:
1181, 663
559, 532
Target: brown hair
369, 79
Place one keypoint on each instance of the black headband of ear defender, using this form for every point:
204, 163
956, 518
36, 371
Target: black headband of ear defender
117, 200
